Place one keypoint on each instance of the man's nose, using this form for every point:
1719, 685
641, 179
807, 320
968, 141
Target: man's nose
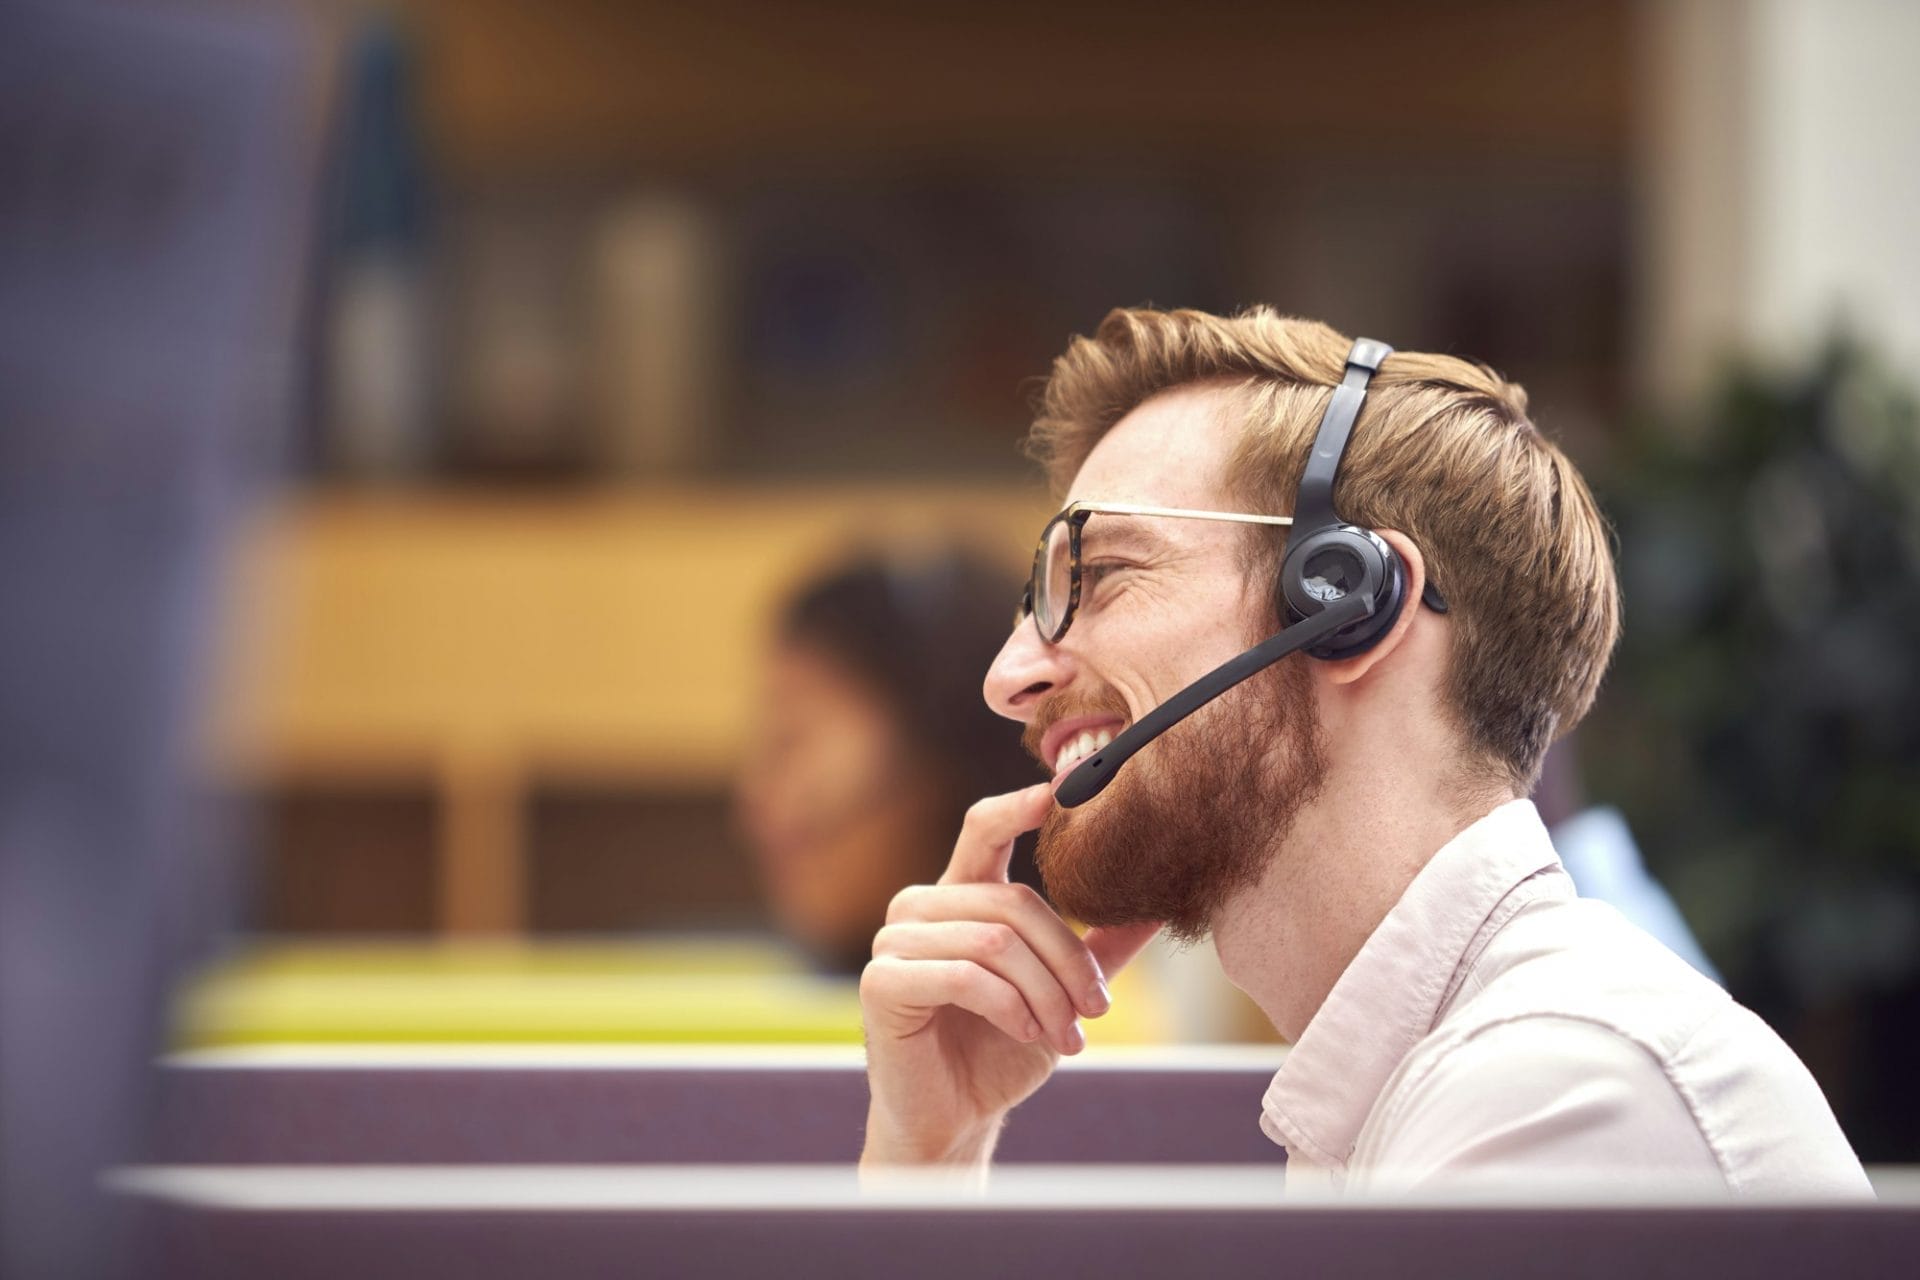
1026, 670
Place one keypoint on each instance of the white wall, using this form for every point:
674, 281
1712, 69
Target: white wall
1782, 149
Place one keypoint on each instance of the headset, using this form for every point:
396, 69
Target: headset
1340, 589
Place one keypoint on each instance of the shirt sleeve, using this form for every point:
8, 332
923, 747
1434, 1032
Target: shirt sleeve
1535, 1101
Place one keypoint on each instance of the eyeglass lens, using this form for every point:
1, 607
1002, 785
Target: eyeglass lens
1053, 580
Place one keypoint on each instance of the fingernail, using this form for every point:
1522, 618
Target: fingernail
1101, 1000
1076, 1038
1033, 1030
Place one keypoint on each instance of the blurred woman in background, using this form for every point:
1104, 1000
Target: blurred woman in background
873, 740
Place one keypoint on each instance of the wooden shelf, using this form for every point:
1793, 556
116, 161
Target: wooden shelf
580, 85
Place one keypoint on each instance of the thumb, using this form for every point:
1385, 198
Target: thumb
1114, 945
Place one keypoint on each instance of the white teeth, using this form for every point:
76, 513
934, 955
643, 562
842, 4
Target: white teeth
1078, 749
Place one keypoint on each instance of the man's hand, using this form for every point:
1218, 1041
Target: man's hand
974, 991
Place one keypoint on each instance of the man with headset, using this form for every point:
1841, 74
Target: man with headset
1339, 695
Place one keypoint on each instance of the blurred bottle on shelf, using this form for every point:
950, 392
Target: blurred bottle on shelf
376, 323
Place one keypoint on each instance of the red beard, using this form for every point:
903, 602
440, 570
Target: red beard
1192, 819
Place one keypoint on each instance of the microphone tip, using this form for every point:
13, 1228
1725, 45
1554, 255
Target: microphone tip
1085, 782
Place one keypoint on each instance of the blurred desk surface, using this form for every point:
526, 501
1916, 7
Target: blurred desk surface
471, 640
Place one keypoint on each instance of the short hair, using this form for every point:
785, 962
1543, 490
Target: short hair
1443, 451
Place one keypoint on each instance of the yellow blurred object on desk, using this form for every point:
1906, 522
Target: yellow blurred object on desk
730, 990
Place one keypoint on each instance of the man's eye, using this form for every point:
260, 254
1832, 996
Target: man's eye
1093, 572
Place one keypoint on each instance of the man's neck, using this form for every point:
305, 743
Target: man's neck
1334, 877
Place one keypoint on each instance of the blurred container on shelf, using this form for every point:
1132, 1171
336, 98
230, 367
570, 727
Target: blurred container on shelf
657, 310
517, 331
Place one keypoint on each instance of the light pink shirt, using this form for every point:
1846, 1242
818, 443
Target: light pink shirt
1497, 1026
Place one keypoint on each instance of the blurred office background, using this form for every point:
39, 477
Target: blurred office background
627, 314
623, 318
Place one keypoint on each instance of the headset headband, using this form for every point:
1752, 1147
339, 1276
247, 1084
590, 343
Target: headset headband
1313, 507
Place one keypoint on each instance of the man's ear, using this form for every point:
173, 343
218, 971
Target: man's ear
1349, 670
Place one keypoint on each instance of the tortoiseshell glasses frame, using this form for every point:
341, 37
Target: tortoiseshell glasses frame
1053, 592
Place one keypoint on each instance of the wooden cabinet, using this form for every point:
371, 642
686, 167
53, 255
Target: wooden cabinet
465, 647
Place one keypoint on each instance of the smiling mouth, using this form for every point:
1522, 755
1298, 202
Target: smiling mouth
1079, 747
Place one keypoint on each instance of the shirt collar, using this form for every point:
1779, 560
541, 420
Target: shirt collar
1392, 992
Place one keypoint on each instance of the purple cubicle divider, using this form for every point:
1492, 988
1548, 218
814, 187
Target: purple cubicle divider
931, 1244
1123, 1196
347, 1113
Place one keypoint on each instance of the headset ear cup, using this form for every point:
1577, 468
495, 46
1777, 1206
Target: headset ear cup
1378, 570
1362, 636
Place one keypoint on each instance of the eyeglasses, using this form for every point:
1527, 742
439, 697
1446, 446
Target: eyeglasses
1053, 593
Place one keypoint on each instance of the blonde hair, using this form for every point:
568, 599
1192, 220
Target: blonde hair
1443, 451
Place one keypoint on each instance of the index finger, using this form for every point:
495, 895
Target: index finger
985, 846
